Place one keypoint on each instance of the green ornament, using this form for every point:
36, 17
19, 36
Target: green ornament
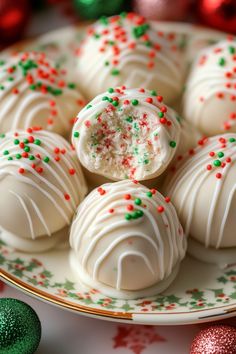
92, 9
20, 328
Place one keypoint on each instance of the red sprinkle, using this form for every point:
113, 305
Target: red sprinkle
67, 197
149, 100
72, 171
160, 209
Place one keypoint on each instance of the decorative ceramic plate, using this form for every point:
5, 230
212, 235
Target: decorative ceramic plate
200, 293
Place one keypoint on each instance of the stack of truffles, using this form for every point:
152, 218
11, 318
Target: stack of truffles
158, 182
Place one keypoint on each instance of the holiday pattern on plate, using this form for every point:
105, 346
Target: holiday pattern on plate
220, 292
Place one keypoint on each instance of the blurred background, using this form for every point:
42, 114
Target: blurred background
28, 18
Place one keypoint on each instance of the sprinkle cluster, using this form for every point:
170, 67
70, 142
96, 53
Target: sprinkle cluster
25, 148
39, 75
134, 204
220, 158
217, 159
127, 32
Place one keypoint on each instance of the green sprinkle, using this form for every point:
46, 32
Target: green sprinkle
129, 119
2, 62
16, 141
46, 159
2, 136
32, 87
172, 144
10, 78
28, 65
110, 99
221, 62
37, 142
232, 140
134, 215
123, 14
139, 213
27, 149
115, 103
135, 102
10, 158
149, 194
96, 36
146, 161
178, 118
138, 201
110, 90
105, 98
139, 31
115, 72
104, 20
128, 216
76, 134
31, 157
161, 114
220, 154
2, 87
55, 91
153, 93
89, 106
5, 152
18, 156
26, 141
231, 50
217, 163
148, 44
71, 86
106, 63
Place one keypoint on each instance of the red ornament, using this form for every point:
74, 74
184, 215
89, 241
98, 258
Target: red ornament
219, 339
167, 10
14, 16
220, 14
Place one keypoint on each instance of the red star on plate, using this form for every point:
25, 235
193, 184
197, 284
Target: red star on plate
1, 286
136, 338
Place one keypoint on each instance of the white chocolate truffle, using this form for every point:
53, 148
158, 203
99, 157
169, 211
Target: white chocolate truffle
210, 96
34, 93
41, 185
128, 50
203, 190
126, 134
126, 240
